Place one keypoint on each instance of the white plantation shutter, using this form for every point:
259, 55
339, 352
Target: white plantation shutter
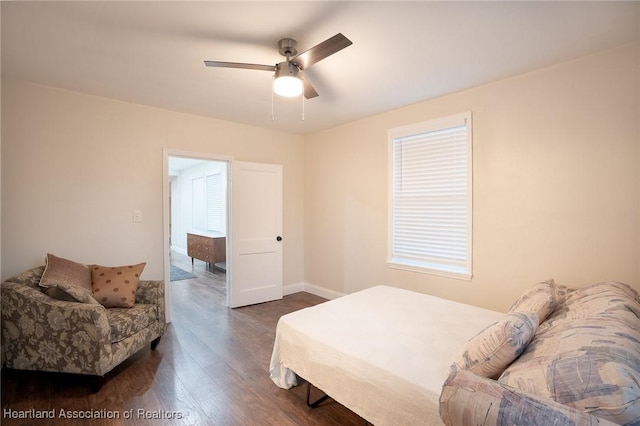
431, 197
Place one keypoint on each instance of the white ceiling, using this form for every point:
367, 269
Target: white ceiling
152, 52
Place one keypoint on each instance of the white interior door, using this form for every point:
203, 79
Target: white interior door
256, 233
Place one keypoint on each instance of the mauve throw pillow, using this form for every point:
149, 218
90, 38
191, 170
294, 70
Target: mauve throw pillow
63, 271
69, 293
115, 287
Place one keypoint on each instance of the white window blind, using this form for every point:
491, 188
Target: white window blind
431, 197
198, 204
215, 202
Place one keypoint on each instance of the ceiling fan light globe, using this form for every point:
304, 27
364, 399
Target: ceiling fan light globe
288, 86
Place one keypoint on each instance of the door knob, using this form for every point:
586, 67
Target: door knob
278, 238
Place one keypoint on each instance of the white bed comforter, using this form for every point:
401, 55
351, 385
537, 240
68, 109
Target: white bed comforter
384, 352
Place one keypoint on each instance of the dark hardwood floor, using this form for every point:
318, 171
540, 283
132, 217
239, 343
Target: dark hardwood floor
211, 368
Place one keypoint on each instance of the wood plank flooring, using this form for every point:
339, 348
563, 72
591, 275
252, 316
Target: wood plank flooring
211, 368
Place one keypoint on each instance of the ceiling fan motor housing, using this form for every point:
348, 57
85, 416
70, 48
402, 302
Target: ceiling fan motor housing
287, 47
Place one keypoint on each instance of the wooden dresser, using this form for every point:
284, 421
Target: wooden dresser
209, 247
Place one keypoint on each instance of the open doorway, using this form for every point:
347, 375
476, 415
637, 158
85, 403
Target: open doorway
253, 240
197, 218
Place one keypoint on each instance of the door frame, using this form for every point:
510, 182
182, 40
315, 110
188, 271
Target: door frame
166, 153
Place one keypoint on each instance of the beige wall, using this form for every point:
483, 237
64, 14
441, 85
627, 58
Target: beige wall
556, 182
76, 166
556, 186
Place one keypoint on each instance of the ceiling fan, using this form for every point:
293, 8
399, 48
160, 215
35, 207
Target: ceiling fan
288, 78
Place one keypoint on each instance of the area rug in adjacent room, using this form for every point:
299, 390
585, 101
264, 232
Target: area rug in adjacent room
178, 274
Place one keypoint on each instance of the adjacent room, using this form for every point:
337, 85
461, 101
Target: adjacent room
413, 235
198, 221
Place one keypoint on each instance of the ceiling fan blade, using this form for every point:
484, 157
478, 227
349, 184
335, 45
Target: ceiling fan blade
309, 92
240, 65
321, 51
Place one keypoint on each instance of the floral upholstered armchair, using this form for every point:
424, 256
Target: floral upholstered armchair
74, 333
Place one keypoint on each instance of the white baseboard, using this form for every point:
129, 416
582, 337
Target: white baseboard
292, 288
313, 289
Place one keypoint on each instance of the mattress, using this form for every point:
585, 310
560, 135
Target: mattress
383, 352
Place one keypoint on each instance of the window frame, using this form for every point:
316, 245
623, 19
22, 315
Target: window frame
433, 268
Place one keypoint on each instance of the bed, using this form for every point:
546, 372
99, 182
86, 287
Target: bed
383, 352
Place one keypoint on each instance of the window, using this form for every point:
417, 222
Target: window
198, 204
208, 199
215, 203
431, 197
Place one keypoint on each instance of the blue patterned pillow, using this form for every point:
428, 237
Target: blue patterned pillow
541, 300
491, 351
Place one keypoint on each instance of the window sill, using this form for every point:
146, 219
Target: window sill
463, 276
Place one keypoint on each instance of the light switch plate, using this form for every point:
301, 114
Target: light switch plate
137, 216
